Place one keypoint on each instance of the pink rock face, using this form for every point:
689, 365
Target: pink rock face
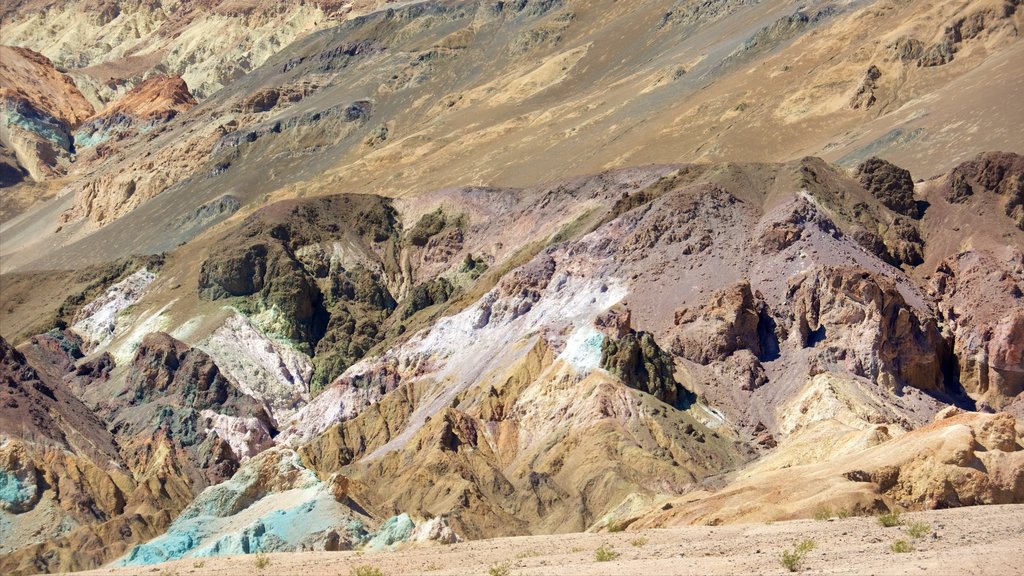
981, 300
860, 321
728, 322
1006, 356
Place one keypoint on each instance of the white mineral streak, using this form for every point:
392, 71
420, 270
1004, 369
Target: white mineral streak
269, 371
97, 320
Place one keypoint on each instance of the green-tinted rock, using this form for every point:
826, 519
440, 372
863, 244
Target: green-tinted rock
640, 363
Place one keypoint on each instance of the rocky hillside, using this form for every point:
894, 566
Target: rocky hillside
459, 270
378, 102
644, 346
41, 109
109, 46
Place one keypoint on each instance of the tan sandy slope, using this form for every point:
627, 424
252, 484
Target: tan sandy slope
978, 540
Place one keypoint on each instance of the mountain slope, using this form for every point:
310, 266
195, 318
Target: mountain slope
459, 270
573, 355
375, 104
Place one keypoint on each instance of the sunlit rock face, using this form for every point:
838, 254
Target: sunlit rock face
317, 276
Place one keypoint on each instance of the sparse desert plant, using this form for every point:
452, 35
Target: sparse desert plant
890, 519
842, 513
901, 547
792, 559
199, 563
616, 526
168, 573
576, 549
502, 569
806, 546
603, 554
433, 567
365, 570
527, 554
822, 512
638, 542
261, 561
918, 529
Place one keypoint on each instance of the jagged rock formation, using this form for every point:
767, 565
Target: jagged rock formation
185, 388
176, 425
316, 273
890, 184
117, 44
41, 108
65, 482
337, 346
151, 103
983, 310
496, 309
356, 101
637, 360
863, 322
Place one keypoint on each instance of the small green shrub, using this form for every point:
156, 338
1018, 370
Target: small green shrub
890, 519
199, 563
792, 559
901, 547
918, 529
616, 526
638, 542
261, 561
823, 512
842, 513
603, 554
502, 569
365, 570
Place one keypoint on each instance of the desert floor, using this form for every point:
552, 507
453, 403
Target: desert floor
974, 540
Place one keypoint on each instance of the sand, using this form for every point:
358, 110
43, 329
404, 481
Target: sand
975, 540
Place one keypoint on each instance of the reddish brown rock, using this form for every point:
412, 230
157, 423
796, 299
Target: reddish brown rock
41, 108
859, 321
733, 319
982, 300
1000, 173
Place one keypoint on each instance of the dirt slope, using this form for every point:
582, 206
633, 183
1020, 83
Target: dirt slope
975, 541
536, 91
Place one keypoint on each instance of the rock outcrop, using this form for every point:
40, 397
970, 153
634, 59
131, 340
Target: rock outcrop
890, 184
155, 101
637, 360
286, 251
1000, 173
41, 108
966, 459
861, 322
58, 459
982, 301
733, 319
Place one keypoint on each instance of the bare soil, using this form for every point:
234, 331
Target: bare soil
974, 540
